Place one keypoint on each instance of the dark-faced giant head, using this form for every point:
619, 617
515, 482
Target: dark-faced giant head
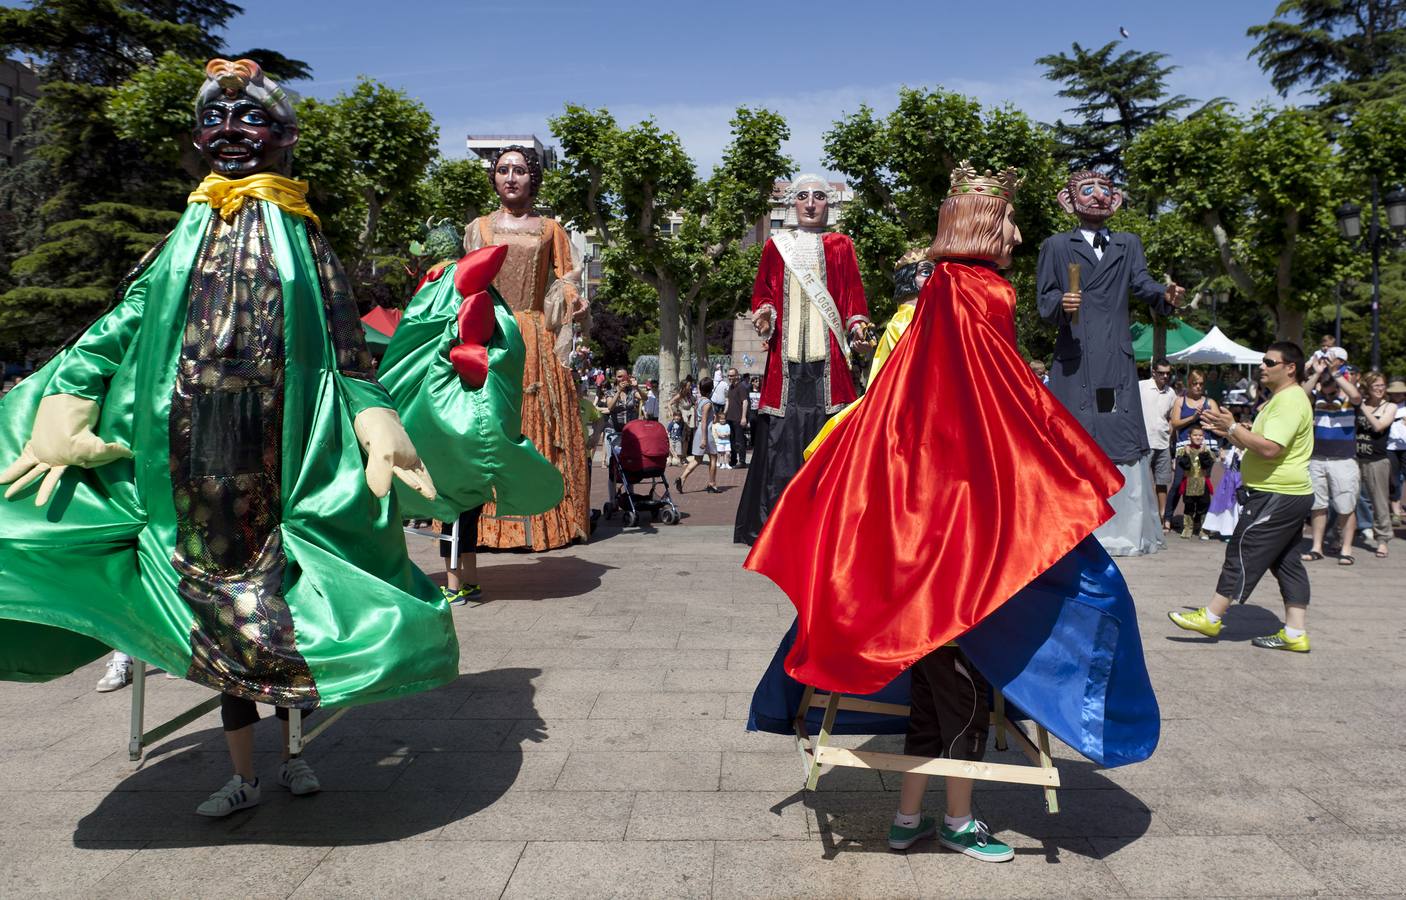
244, 123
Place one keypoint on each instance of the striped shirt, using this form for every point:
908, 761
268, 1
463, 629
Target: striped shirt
1334, 428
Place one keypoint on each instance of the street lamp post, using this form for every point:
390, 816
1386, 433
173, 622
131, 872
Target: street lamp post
1350, 225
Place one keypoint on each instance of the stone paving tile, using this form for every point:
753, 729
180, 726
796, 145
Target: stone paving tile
682, 815
672, 657
1349, 865
331, 818
582, 734
540, 816
640, 770
478, 771
1365, 808
1242, 866
428, 869
674, 869
743, 869
1255, 810
1049, 867
722, 681
525, 703
154, 871
674, 705
767, 771
31, 866
563, 658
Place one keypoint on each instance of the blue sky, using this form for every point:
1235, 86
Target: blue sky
507, 67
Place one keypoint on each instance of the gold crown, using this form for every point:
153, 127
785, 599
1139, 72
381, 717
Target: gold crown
914, 255
1003, 184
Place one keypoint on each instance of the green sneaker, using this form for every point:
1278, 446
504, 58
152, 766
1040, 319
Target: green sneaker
1281, 641
975, 841
901, 838
1196, 621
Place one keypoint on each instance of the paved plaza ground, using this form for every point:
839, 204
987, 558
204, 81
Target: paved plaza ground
594, 746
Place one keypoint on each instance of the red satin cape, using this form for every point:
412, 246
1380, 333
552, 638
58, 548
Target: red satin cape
957, 481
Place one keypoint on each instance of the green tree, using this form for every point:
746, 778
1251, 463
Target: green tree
89, 198
1116, 99
626, 183
1350, 52
1264, 188
456, 189
900, 168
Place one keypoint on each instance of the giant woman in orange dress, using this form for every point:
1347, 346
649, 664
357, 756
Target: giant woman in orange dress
539, 281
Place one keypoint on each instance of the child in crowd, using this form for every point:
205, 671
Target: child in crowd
1224, 511
1195, 461
722, 437
676, 439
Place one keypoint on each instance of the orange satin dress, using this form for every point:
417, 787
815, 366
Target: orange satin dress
956, 482
551, 415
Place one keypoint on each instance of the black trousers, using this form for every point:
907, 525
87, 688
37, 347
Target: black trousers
237, 712
468, 532
1266, 539
738, 456
948, 715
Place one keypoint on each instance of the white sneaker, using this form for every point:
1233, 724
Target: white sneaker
117, 676
1368, 535
236, 794
297, 776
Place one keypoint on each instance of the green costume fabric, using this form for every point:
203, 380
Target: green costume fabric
241, 546
470, 439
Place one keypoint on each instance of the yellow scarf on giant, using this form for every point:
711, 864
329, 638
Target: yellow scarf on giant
227, 195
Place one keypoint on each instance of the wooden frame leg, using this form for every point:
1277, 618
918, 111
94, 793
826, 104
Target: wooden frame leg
134, 744
1047, 762
1001, 743
827, 724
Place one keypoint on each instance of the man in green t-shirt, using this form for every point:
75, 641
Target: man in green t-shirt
1278, 496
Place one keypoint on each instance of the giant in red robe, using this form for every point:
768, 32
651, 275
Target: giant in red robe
957, 482
771, 289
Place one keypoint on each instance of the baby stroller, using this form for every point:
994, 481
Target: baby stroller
638, 457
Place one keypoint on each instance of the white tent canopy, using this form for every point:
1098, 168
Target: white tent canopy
1217, 349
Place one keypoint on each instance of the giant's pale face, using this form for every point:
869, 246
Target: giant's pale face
812, 206
1010, 238
239, 138
512, 179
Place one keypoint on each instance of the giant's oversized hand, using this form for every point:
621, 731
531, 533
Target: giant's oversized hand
62, 436
389, 452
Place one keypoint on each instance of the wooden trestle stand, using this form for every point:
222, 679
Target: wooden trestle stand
140, 739
816, 752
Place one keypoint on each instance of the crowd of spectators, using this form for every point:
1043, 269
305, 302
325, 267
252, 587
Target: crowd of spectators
1357, 467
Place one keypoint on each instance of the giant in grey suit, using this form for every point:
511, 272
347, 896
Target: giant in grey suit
1094, 374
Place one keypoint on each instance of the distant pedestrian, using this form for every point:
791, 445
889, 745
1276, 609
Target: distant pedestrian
1277, 496
1158, 398
1375, 416
738, 391
1333, 468
704, 450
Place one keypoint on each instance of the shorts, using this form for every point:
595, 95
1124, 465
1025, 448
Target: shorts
949, 714
1335, 483
1162, 467
1266, 539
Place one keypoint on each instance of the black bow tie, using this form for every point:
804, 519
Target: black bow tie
1100, 240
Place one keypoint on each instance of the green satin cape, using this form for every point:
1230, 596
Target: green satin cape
92, 570
470, 439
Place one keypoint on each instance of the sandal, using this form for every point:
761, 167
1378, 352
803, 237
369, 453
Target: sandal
1381, 551
1346, 560
1311, 556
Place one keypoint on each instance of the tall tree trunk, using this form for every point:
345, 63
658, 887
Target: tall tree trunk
669, 374
373, 218
700, 336
1288, 324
